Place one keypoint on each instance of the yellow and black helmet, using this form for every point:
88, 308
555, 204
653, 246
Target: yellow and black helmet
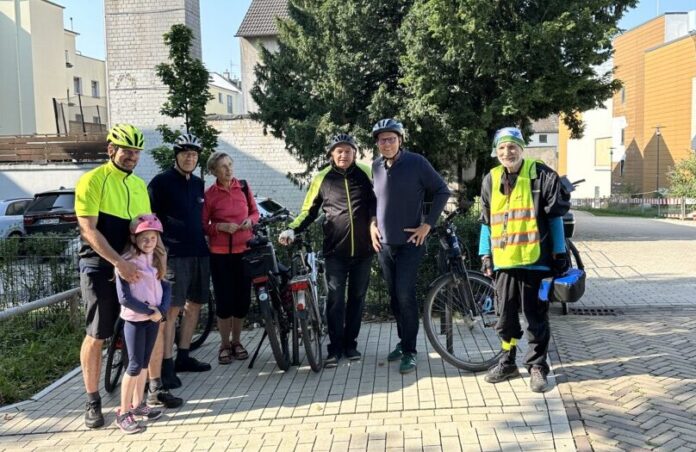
127, 136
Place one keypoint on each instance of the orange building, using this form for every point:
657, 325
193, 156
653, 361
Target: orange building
654, 113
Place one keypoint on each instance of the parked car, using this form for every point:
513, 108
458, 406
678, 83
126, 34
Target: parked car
12, 217
52, 211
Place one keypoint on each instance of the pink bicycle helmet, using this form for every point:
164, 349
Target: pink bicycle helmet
146, 222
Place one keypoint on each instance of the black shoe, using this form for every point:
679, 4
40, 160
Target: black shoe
408, 363
352, 354
161, 397
93, 414
191, 364
501, 372
331, 361
395, 354
537, 379
169, 378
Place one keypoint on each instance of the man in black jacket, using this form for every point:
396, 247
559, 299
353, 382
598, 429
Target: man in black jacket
176, 196
343, 191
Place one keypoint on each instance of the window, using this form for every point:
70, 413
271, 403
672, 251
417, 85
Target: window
96, 120
602, 153
220, 97
622, 137
16, 208
95, 88
543, 138
77, 83
78, 118
229, 104
623, 95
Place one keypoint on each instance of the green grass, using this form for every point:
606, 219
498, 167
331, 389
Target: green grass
35, 351
616, 212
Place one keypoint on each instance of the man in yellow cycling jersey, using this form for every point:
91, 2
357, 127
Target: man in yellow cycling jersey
106, 199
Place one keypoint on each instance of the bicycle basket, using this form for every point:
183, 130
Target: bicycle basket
567, 288
258, 261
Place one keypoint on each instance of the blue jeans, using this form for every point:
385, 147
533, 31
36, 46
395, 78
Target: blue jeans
343, 318
400, 269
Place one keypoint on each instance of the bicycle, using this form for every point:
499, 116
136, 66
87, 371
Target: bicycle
279, 297
460, 318
573, 254
309, 290
116, 357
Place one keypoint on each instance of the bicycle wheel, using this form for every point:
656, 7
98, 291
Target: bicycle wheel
575, 261
203, 327
310, 325
462, 329
116, 358
279, 347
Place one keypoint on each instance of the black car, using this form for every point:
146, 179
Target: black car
51, 211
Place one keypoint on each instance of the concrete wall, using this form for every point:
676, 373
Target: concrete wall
136, 93
48, 55
250, 52
27, 180
17, 114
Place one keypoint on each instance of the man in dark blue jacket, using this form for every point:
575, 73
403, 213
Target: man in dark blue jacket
176, 196
402, 179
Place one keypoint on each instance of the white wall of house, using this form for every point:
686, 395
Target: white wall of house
585, 161
17, 114
27, 180
250, 53
543, 140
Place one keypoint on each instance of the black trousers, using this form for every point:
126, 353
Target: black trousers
518, 288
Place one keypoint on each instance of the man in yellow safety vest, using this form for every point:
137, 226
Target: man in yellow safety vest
522, 241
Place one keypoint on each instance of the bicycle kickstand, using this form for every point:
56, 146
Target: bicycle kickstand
258, 348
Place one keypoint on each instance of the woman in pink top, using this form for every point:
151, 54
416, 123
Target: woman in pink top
229, 212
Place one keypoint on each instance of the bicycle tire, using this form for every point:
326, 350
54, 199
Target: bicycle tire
478, 347
116, 358
272, 327
310, 325
574, 260
206, 317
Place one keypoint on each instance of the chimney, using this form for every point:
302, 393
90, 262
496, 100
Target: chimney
226, 76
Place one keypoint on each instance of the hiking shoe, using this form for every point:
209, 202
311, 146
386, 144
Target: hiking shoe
395, 354
127, 423
537, 380
160, 397
501, 372
408, 363
145, 413
191, 364
93, 414
352, 354
331, 361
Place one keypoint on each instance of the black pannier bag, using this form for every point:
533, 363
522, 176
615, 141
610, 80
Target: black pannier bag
258, 261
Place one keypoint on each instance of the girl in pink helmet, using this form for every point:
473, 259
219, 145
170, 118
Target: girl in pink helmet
143, 304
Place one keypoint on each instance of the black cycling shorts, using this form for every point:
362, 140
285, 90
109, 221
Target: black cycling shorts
101, 301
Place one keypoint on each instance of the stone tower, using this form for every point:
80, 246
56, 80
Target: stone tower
134, 47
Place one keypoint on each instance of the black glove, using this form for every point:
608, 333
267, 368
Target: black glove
560, 264
486, 265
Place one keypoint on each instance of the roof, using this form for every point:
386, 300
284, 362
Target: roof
219, 81
546, 125
260, 18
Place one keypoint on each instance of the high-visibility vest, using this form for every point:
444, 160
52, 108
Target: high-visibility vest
515, 237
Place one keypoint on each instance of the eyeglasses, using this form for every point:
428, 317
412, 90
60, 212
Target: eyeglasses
390, 140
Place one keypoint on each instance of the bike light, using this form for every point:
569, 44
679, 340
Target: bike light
300, 301
299, 286
260, 280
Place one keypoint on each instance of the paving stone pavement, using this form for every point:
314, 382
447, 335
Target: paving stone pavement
622, 382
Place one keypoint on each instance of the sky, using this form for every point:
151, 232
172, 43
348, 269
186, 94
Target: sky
220, 20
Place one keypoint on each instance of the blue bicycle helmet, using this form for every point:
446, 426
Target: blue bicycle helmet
388, 125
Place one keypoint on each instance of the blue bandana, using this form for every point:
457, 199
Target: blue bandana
507, 135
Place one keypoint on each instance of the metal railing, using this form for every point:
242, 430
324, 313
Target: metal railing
681, 208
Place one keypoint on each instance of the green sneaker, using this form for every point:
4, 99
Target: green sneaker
408, 363
395, 354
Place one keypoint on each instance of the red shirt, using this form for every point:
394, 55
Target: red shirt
228, 205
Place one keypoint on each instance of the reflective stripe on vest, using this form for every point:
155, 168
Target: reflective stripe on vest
515, 237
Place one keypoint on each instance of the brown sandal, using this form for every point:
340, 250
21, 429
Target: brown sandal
225, 355
239, 352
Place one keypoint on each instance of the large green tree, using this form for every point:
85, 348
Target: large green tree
187, 80
683, 178
452, 70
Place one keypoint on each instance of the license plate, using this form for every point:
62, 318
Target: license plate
49, 221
